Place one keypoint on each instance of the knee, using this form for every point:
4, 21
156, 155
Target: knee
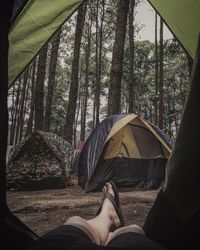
74, 219
123, 230
135, 229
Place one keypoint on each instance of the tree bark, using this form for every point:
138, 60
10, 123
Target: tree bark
76, 121
71, 109
85, 98
16, 112
23, 102
161, 104
94, 114
12, 114
97, 83
99, 40
131, 82
31, 116
39, 89
156, 72
114, 96
51, 80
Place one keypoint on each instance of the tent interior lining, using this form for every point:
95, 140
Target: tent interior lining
126, 142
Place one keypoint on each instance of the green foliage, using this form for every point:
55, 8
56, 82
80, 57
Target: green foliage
60, 100
176, 81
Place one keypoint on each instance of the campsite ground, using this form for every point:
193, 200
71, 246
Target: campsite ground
46, 209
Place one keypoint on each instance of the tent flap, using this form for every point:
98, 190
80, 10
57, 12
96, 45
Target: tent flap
32, 28
183, 19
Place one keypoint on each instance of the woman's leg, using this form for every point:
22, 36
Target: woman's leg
99, 227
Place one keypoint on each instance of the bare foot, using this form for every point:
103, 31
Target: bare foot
109, 208
107, 219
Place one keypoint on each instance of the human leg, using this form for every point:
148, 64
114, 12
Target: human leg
78, 233
131, 237
122, 230
136, 241
99, 227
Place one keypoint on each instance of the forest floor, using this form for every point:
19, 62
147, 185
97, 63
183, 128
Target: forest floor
46, 209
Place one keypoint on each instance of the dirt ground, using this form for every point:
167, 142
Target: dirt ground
47, 209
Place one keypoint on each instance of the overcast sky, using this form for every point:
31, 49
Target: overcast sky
146, 16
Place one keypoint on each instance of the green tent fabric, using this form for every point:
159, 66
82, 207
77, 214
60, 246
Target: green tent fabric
33, 27
183, 171
183, 19
174, 219
41, 18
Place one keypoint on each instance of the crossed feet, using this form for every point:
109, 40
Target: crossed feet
108, 222
107, 219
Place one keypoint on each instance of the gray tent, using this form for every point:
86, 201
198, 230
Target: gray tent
126, 149
42, 160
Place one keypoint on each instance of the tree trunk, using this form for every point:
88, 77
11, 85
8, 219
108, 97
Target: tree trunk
114, 96
39, 89
51, 80
83, 116
161, 104
85, 98
94, 114
12, 114
27, 98
23, 103
97, 83
30, 120
131, 82
156, 73
170, 116
71, 109
16, 112
99, 38
76, 121
18, 117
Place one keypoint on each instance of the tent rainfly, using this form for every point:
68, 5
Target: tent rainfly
127, 149
42, 160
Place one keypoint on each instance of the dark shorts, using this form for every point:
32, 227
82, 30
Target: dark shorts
67, 237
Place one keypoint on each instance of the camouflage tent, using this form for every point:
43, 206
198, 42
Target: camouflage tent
42, 160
